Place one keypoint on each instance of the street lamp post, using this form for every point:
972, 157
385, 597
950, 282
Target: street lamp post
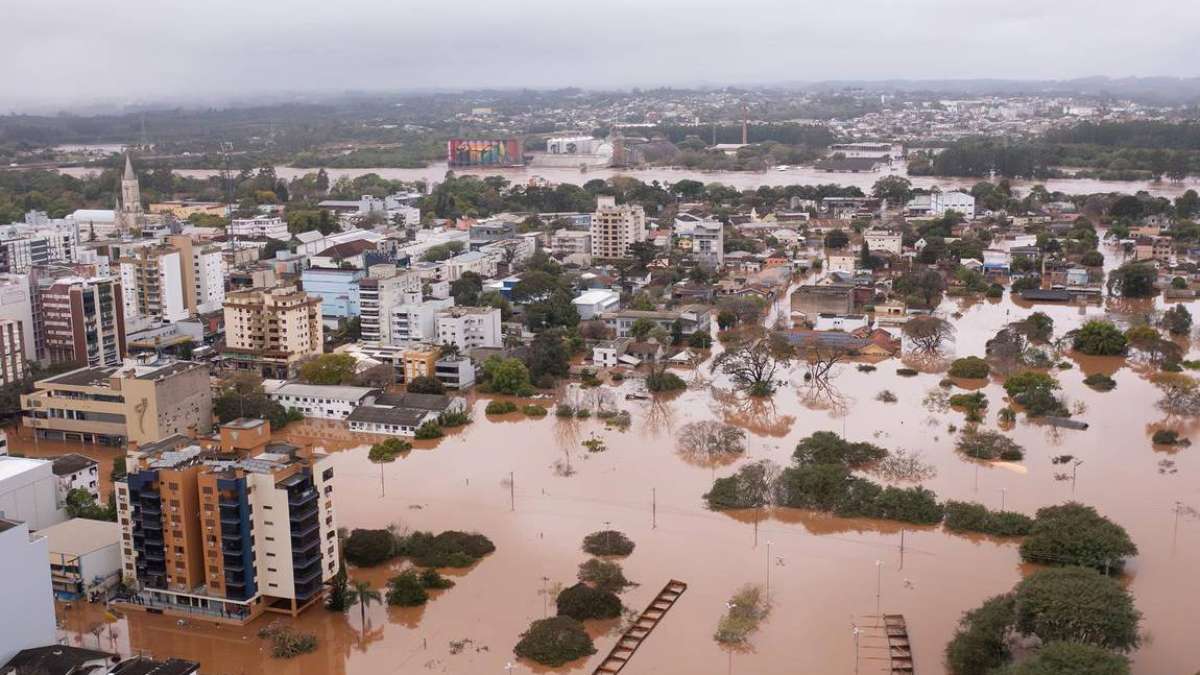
878, 585
1003, 495
768, 567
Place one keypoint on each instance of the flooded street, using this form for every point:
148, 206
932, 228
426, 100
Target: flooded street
822, 569
798, 175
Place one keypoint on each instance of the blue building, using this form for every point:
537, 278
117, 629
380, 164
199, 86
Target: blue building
338, 289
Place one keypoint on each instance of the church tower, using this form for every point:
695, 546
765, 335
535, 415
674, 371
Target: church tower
131, 212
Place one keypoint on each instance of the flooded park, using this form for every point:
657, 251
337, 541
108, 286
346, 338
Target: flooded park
536, 488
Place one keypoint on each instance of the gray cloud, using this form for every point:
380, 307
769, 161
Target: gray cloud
60, 51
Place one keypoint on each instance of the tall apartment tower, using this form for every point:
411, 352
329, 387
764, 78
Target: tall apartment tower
378, 294
152, 278
82, 320
227, 533
12, 351
269, 330
203, 275
615, 227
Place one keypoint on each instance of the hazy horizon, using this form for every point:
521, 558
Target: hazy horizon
72, 52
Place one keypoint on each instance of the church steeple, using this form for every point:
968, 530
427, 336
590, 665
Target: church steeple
130, 213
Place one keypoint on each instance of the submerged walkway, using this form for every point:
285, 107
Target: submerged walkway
641, 629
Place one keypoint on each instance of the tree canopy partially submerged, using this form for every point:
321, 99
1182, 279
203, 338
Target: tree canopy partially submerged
555, 641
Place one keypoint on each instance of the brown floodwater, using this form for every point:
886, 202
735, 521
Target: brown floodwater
824, 572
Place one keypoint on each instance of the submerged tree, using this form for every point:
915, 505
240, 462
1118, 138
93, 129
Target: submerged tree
928, 332
751, 368
711, 443
752, 487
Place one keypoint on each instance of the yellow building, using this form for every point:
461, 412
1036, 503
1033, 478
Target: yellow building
182, 209
420, 362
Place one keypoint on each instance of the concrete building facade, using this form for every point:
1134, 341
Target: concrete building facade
227, 534
269, 330
143, 400
615, 228
28, 620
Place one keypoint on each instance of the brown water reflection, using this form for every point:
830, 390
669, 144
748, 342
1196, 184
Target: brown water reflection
824, 569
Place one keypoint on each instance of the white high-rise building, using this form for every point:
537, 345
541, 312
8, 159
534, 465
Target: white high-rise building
153, 285
16, 304
415, 319
378, 294
615, 227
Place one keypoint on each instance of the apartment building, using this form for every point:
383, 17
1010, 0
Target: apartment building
80, 320
615, 227
565, 243
203, 274
259, 227
37, 241
143, 400
700, 238
469, 327
378, 293
269, 330
415, 319
12, 352
227, 533
16, 304
153, 285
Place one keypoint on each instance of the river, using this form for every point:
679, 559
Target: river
738, 179
822, 569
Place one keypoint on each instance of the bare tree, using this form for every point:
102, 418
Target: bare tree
711, 443
752, 367
821, 355
928, 332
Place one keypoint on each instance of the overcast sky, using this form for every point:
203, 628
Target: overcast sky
62, 51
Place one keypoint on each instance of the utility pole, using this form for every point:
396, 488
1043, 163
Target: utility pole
878, 587
653, 508
512, 492
768, 567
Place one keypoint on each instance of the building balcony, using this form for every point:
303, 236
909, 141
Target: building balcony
300, 514
302, 498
